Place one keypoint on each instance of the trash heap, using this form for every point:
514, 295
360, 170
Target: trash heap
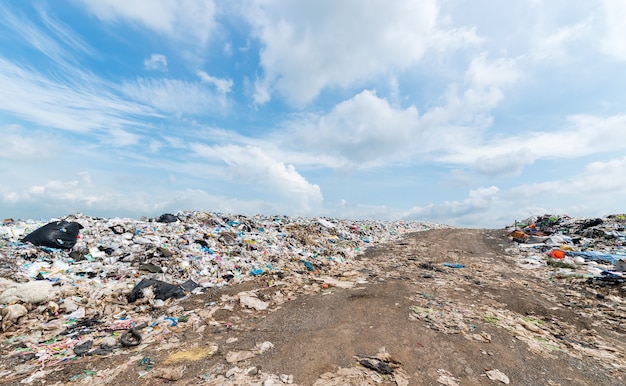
594, 248
82, 285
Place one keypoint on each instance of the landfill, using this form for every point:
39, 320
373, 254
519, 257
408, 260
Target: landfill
82, 286
594, 248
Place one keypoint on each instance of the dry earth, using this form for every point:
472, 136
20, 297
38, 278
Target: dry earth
438, 325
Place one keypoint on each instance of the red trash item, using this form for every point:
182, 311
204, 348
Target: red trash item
556, 254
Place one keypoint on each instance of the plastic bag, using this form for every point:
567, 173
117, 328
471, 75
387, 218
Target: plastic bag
167, 217
57, 234
162, 290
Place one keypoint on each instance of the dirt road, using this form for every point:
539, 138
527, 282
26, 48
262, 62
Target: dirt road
485, 321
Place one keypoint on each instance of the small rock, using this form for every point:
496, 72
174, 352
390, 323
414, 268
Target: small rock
238, 356
497, 375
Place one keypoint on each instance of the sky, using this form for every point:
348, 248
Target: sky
472, 114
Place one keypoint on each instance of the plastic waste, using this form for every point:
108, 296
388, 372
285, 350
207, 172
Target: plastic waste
161, 289
58, 234
167, 218
11, 313
556, 254
33, 292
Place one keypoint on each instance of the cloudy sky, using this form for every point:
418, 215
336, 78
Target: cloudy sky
467, 113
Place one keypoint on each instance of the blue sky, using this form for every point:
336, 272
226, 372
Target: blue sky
467, 113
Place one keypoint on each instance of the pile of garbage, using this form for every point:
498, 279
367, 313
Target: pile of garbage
594, 248
82, 285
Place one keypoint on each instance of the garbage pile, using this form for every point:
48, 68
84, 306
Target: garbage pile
81, 286
594, 248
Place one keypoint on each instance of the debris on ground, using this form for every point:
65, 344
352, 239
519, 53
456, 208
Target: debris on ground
82, 286
141, 289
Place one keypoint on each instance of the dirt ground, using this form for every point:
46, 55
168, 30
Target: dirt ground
438, 324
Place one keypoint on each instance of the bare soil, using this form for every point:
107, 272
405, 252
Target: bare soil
442, 325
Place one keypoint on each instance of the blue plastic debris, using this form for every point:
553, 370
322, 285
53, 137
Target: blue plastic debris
454, 265
308, 265
256, 272
612, 258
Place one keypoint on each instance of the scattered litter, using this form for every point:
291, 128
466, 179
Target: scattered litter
193, 354
250, 300
370, 370
446, 378
168, 373
119, 287
238, 356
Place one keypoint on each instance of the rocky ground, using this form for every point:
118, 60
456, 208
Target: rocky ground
403, 313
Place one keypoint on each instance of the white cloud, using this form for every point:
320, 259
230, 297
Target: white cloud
120, 137
594, 191
455, 212
508, 164
82, 102
483, 73
222, 85
364, 129
614, 43
181, 20
175, 96
261, 93
67, 195
18, 145
367, 131
580, 135
65, 34
304, 52
95, 197
554, 45
251, 166
156, 62
604, 178
21, 28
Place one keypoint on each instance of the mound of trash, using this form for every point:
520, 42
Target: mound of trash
84, 285
594, 248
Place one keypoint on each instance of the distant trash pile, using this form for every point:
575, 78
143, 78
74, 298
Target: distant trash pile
83, 285
592, 247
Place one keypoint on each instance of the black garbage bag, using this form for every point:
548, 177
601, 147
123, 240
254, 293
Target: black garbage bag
162, 290
167, 217
57, 234
189, 285
592, 223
